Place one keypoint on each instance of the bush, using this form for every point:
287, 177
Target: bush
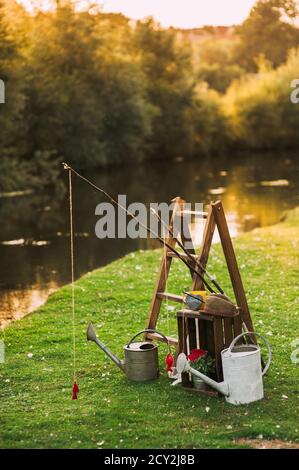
259, 109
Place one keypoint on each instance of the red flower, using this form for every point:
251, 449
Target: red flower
196, 354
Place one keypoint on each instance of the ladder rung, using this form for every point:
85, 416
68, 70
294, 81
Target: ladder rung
171, 297
157, 337
202, 215
171, 254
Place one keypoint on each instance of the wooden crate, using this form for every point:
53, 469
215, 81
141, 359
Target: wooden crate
199, 330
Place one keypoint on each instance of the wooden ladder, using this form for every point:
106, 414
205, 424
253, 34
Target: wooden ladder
215, 217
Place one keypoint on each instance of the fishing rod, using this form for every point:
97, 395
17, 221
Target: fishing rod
181, 245
113, 201
155, 235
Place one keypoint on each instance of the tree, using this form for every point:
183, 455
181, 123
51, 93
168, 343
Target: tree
12, 122
260, 111
169, 82
86, 98
268, 31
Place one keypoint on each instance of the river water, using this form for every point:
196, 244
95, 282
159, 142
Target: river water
34, 232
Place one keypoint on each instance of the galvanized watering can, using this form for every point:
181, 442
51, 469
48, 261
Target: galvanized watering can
242, 371
141, 357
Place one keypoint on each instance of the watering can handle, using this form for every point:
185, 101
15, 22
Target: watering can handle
147, 330
254, 334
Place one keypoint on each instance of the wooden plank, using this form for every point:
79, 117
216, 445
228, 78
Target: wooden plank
192, 333
203, 256
237, 327
171, 254
163, 272
232, 265
193, 314
203, 344
180, 333
157, 337
202, 215
210, 342
182, 345
219, 346
209, 392
171, 297
186, 237
228, 331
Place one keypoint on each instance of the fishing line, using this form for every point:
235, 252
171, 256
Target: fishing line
169, 360
166, 282
75, 385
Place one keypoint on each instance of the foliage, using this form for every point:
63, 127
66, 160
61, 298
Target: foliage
12, 125
89, 102
203, 363
36, 410
268, 31
215, 63
219, 77
260, 110
166, 65
98, 90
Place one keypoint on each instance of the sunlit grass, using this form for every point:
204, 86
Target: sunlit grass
36, 409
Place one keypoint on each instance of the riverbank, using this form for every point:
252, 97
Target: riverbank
35, 407
254, 193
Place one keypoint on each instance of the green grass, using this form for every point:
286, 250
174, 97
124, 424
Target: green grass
36, 410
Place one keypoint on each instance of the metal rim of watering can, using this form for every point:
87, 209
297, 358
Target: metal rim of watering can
147, 330
249, 333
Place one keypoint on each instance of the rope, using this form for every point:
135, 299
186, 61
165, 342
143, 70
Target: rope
166, 282
73, 279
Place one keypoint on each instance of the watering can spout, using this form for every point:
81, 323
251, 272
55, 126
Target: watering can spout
91, 336
182, 365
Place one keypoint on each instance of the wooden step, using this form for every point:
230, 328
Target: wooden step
157, 337
202, 215
171, 297
171, 254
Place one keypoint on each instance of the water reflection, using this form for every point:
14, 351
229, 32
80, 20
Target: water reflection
34, 229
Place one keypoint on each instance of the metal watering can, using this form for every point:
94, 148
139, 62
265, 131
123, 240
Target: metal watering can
141, 357
242, 371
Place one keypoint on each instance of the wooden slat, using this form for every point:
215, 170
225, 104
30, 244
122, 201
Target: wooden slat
219, 346
209, 229
186, 237
203, 215
171, 254
157, 337
228, 331
237, 326
192, 314
232, 265
202, 334
182, 345
181, 336
192, 333
171, 297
